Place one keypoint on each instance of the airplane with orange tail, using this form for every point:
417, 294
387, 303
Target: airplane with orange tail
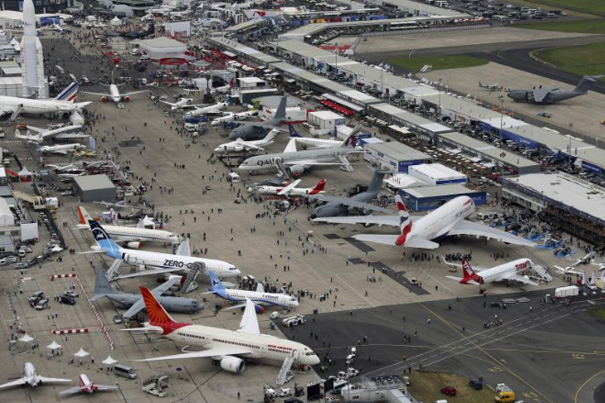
227, 347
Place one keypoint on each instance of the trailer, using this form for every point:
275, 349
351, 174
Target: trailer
565, 292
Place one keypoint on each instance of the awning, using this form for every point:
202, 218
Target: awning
342, 102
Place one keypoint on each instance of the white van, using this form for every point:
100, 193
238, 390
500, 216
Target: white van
124, 371
491, 215
234, 178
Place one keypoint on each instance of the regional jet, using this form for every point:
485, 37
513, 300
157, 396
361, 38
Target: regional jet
31, 378
504, 272
87, 386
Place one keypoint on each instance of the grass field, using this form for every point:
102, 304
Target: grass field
414, 64
583, 59
426, 386
598, 313
596, 26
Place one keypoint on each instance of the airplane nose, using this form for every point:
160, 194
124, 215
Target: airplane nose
314, 360
236, 272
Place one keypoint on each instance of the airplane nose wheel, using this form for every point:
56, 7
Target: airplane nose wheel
120, 105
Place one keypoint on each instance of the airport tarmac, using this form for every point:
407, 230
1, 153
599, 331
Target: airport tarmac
326, 264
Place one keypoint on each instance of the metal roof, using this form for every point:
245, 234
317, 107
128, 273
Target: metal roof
93, 182
398, 151
439, 190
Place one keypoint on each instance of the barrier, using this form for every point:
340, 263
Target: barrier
54, 276
70, 331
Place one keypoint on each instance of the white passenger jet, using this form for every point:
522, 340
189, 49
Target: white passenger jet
62, 104
162, 263
240, 145
87, 386
114, 94
32, 379
61, 133
182, 103
131, 236
62, 149
222, 345
504, 272
291, 189
208, 110
422, 231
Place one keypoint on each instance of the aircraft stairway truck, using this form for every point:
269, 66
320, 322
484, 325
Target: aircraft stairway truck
541, 273
37, 202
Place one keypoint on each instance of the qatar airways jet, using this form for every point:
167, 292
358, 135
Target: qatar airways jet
505, 272
422, 231
222, 345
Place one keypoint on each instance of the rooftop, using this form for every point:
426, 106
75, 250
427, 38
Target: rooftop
93, 182
439, 190
399, 151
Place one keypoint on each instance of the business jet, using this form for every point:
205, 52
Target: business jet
291, 190
226, 118
87, 386
504, 272
62, 133
32, 379
62, 104
180, 104
114, 94
582, 261
422, 231
258, 297
208, 110
131, 236
222, 345
61, 149
162, 263
239, 145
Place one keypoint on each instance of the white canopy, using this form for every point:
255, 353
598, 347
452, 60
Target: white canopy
54, 346
109, 361
115, 22
81, 353
26, 338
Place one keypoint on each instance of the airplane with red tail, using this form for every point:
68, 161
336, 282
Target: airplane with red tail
505, 272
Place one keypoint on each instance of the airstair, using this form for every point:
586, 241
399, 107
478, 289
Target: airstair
284, 373
190, 284
541, 273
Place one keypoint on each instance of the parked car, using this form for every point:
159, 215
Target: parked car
449, 391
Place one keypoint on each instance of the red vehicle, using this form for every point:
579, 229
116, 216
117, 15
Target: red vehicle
449, 391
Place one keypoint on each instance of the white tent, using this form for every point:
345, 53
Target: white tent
81, 354
53, 349
26, 338
115, 22
109, 362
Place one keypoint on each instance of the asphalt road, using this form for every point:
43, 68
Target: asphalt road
546, 355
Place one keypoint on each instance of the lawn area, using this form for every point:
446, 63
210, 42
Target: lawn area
582, 60
598, 313
414, 64
425, 387
596, 26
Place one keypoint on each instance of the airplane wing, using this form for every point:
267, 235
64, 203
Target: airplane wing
215, 353
349, 202
249, 323
44, 379
256, 124
520, 279
62, 152
67, 136
473, 282
287, 189
540, 94
101, 94
162, 288
105, 387
418, 243
148, 273
183, 249
18, 382
391, 220
134, 93
134, 309
464, 227
75, 389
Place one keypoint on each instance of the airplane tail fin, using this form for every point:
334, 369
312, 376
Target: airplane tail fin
215, 283
69, 93
157, 314
319, 187
293, 132
280, 113
376, 183
405, 221
469, 273
102, 286
585, 83
352, 140
231, 82
104, 240
256, 105
83, 215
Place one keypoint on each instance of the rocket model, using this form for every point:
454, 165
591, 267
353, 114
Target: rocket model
34, 84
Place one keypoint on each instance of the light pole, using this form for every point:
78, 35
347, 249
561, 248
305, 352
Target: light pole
439, 108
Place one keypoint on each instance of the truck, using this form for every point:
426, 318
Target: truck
568, 291
504, 394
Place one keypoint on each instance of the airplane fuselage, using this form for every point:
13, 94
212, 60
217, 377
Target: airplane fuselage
499, 273
259, 297
36, 106
439, 222
171, 304
266, 161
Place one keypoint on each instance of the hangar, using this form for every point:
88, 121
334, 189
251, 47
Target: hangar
94, 188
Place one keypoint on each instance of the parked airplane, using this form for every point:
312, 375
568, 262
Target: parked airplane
62, 104
291, 190
222, 89
422, 232
582, 261
32, 379
258, 297
226, 118
299, 161
180, 104
87, 386
132, 236
116, 205
222, 345
491, 87
114, 94
134, 302
163, 263
313, 142
61, 133
503, 272
62, 149
360, 203
240, 145
256, 130
551, 95
208, 110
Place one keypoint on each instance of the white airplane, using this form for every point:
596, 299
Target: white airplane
491, 87
61, 133
258, 297
312, 142
422, 231
503, 272
571, 269
180, 104
246, 114
227, 117
222, 345
208, 110
62, 104
222, 89
239, 145
131, 236
292, 190
32, 379
87, 386
114, 94
162, 263
62, 149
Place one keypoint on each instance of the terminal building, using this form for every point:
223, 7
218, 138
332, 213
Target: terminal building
394, 156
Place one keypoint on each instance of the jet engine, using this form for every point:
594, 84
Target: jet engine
104, 99
133, 245
259, 308
126, 98
233, 364
297, 170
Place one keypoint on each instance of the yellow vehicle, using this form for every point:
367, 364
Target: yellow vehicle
505, 394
